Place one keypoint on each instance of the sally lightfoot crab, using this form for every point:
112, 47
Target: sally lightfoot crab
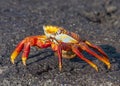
64, 43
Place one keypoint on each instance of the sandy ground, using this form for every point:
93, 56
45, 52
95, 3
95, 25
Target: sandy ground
95, 20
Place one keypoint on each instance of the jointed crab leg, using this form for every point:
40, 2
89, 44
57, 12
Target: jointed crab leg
97, 48
17, 50
39, 41
25, 53
103, 59
76, 51
58, 48
59, 51
64, 46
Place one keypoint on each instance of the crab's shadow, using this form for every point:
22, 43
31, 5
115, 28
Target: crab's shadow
45, 55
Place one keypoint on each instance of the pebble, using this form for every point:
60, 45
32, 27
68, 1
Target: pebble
2, 69
111, 9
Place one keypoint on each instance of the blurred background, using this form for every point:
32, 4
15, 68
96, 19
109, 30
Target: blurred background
95, 20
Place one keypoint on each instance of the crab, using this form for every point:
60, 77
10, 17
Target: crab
65, 44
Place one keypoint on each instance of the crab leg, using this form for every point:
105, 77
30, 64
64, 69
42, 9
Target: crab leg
39, 41
17, 51
58, 48
104, 60
76, 51
59, 51
25, 53
99, 49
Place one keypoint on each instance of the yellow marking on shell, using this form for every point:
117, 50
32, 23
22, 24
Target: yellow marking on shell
51, 29
42, 36
13, 56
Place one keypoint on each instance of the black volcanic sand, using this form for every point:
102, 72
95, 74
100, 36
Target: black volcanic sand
95, 20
